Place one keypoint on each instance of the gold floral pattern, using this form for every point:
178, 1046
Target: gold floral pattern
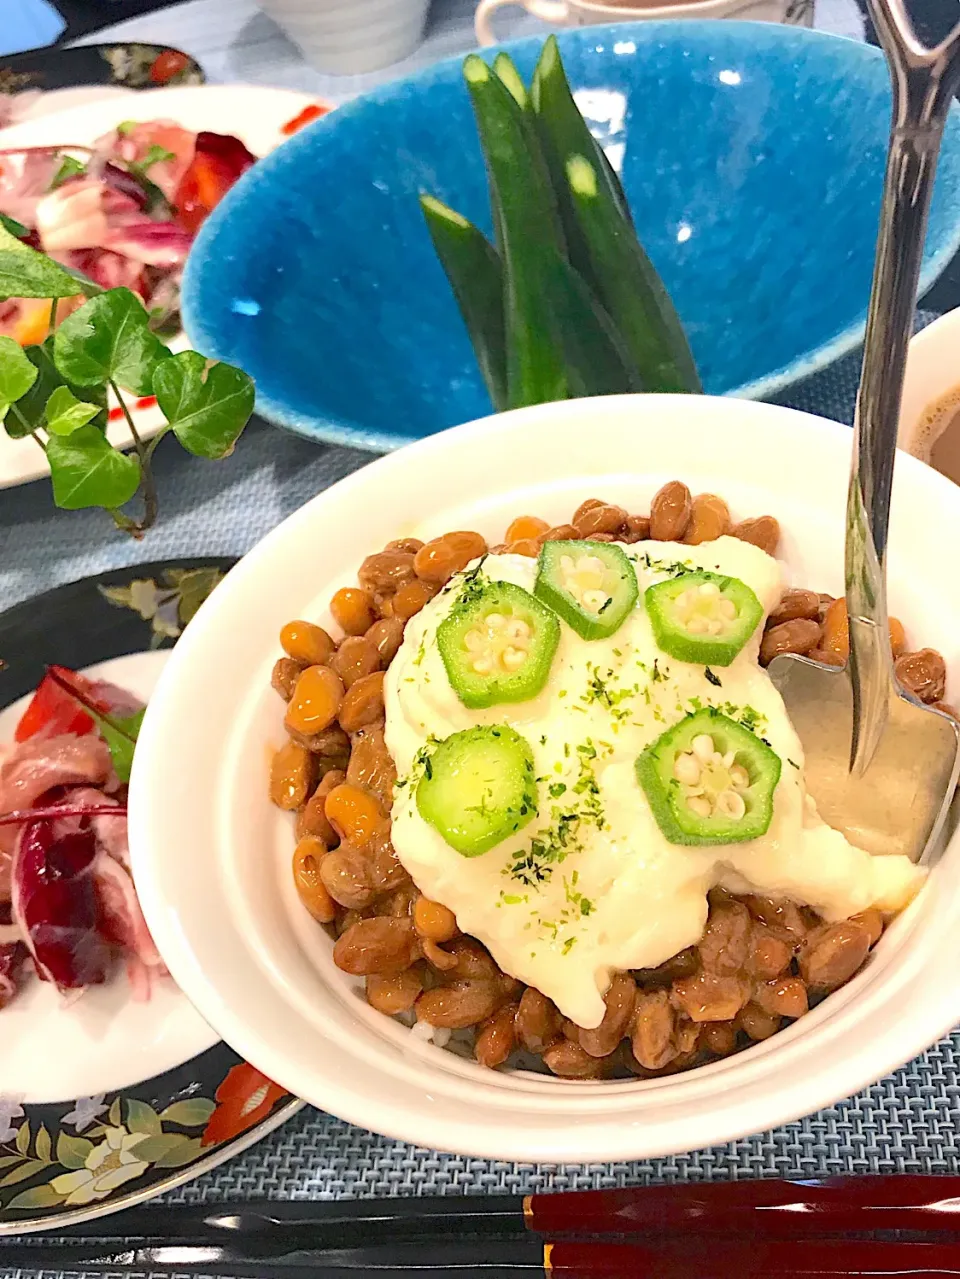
106, 1168
121, 1143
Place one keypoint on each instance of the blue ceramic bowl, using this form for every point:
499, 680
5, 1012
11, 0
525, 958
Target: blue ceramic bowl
752, 156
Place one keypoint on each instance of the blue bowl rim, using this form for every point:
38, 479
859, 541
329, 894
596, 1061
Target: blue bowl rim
322, 430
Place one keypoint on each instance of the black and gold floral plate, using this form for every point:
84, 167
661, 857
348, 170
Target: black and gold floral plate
67, 1162
130, 66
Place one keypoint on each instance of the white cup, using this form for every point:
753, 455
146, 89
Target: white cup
583, 13
349, 37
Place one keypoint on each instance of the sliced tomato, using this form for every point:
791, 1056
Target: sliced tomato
167, 65
218, 162
53, 711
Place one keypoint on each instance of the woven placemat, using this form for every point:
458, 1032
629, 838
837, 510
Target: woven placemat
905, 1123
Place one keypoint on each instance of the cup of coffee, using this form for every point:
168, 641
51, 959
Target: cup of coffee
930, 408
583, 13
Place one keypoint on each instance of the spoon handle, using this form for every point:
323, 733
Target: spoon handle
924, 81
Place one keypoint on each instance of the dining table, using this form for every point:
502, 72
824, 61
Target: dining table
907, 1122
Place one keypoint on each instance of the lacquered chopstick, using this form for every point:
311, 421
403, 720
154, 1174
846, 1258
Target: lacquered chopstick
493, 1259
769, 1209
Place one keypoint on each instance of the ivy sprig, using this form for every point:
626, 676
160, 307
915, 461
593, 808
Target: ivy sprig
56, 391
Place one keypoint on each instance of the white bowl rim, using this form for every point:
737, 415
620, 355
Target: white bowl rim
591, 1121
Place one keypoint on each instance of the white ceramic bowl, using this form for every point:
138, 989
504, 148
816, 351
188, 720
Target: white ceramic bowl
211, 856
350, 37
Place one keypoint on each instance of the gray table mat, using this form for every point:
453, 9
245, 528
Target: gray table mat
904, 1123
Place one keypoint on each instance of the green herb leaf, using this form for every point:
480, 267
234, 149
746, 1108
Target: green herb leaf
17, 374
157, 202
121, 739
125, 127
25, 273
120, 734
109, 339
33, 406
207, 407
70, 167
88, 471
66, 414
14, 227
155, 155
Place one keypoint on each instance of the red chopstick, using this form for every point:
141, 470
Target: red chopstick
762, 1209
750, 1259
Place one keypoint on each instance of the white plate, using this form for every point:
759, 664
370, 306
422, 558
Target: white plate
253, 113
263, 974
50, 101
106, 1041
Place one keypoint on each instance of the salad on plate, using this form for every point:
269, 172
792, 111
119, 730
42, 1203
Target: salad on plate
123, 211
68, 908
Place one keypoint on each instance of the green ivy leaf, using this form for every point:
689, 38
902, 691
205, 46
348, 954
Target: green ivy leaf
38, 1197
66, 414
72, 1151
207, 407
140, 1116
17, 374
109, 339
155, 1148
88, 471
189, 1114
155, 155
44, 1145
181, 1155
33, 407
24, 1172
25, 273
23, 1138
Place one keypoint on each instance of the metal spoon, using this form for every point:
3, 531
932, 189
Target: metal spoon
881, 767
